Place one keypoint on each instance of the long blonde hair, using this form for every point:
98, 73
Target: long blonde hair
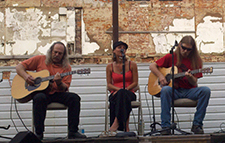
64, 61
194, 56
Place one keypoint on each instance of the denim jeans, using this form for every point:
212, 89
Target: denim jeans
41, 100
202, 94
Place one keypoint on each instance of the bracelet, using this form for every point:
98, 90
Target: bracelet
59, 84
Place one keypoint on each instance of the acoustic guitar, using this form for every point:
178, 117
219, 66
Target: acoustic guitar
23, 92
154, 86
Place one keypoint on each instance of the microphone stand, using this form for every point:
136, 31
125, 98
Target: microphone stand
173, 125
130, 134
123, 57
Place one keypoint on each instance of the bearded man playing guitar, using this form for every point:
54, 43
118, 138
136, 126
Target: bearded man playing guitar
186, 58
56, 62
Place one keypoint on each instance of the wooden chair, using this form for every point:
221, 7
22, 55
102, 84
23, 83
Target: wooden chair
134, 104
51, 106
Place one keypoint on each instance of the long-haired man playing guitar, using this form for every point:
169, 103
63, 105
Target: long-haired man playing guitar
186, 58
56, 62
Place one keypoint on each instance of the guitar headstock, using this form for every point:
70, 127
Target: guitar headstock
84, 71
207, 70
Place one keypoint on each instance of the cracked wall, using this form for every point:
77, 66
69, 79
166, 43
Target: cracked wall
149, 27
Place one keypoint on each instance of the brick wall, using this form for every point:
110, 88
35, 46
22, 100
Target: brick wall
138, 21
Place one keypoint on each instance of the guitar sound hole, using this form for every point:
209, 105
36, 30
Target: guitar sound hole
37, 81
168, 77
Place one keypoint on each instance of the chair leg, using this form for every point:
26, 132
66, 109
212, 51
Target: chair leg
106, 111
106, 119
153, 125
32, 124
140, 122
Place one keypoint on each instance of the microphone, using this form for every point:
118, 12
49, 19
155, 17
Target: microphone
176, 43
122, 51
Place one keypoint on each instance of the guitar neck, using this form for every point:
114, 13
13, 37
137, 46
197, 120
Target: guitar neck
62, 75
154, 86
183, 73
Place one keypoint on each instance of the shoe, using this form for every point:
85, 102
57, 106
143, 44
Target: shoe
165, 131
197, 129
40, 136
74, 135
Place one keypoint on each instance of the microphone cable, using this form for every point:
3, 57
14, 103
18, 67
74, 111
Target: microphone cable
16, 112
148, 103
20, 116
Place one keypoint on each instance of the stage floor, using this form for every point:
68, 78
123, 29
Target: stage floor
204, 138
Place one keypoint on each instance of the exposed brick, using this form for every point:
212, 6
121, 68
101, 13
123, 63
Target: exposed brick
134, 17
23, 3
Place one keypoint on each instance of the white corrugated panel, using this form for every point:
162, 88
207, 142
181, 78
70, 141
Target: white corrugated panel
92, 88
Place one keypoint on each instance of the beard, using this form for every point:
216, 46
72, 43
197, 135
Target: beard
56, 60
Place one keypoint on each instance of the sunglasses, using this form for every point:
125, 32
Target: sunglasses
185, 48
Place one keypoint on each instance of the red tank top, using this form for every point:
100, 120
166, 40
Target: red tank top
117, 79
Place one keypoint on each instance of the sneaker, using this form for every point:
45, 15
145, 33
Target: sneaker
74, 135
40, 136
197, 129
165, 131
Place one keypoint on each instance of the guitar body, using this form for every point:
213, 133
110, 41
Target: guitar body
154, 86
23, 92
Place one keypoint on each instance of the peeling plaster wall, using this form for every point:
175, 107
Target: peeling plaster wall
24, 27
27, 27
164, 42
31, 31
70, 30
2, 21
149, 27
87, 46
210, 35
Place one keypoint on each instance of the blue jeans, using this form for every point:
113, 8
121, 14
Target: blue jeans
202, 94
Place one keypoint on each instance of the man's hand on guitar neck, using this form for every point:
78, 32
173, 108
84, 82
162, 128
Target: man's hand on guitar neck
58, 78
192, 80
188, 74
